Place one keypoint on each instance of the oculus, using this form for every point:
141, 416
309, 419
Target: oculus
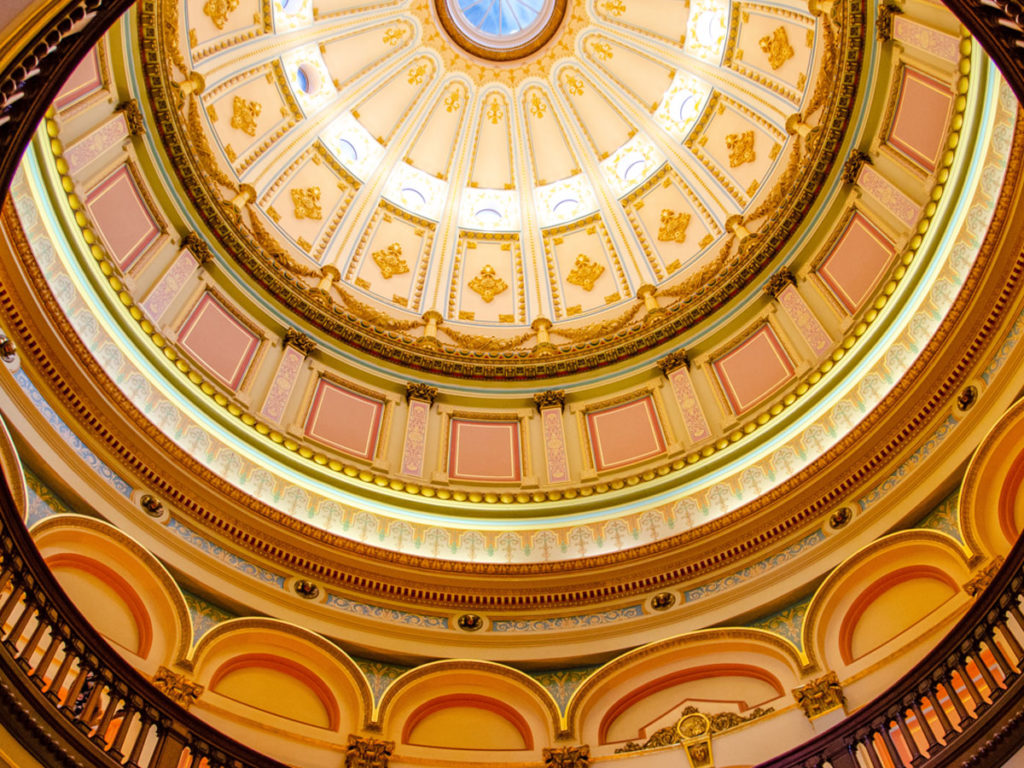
501, 30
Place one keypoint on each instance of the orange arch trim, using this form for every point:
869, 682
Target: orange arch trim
119, 584
287, 667
468, 700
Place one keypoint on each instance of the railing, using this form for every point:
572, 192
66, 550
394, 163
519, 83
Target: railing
65, 690
963, 704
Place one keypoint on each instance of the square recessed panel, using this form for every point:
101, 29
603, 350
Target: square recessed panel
753, 369
84, 81
218, 341
856, 262
344, 419
922, 118
120, 213
625, 434
485, 451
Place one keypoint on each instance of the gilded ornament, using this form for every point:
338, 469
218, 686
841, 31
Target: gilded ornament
365, 752
494, 113
453, 101
393, 35
417, 74
673, 360
778, 282
218, 11
197, 247
851, 168
567, 757
537, 105
574, 84
305, 345
488, 284
552, 398
741, 148
613, 7
603, 51
673, 226
390, 262
133, 116
244, 114
886, 11
417, 390
820, 696
307, 203
176, 687
983, 577
777, 46
585, 273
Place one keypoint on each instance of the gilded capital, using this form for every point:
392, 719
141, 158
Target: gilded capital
133, 116
300, 341
820, 696
673, 360
553, 398
567, 757
364, 752
417, 390
851, 168
176, 687
886, 11
197, 247
983, 576
778, 282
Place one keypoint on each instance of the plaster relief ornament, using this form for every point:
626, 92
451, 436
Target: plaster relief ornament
392, 36
613, 7
585, 273
741, 148
673, 226
390, 262
777, 46
219, 10
307, 203
488, 284
537, 107
452, 102
494, 113
244, 114
603, 51
575, 85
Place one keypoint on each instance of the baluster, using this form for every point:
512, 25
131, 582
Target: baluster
926, 729
867, 742
39, 673
5, 577
71, 701
12, 601
117, 744
1001, 660
169, 746
916, 758
25, 656
958, 704
894, 754
92, 703
53, 689
113, 702
1011, 640
986, 674
940, 713
844, 758
12, 639
145, 724
971, 688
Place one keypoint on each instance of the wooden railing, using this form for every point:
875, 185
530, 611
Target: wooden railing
999, 26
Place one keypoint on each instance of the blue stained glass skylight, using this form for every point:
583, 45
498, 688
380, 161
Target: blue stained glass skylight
500, 17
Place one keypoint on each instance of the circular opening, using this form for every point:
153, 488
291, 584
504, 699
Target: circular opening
308, 79
501, 29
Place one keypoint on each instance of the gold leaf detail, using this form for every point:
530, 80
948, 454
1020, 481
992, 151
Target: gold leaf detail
494, 113
393, 35
537, 107
603, 51
741, 148
390, 262
613, 7
777, 46
488, 284
244, 114
585, 273
218, 11
307, 203
417, 74
575, 85
452, 102
673, 226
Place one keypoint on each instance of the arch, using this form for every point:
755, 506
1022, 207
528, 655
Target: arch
149, 591
859, 581
282, 649
287, 667
474, 701
442, 684
765, 659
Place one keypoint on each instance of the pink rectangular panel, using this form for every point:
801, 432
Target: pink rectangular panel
886, 193
96, 142
554, 444
625, 434
922, 117
926, 38
218, 341
345, 419
283, 383
486, 451
121, 215
693, 415
415, 437
754, 369
85, 80
856, 262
